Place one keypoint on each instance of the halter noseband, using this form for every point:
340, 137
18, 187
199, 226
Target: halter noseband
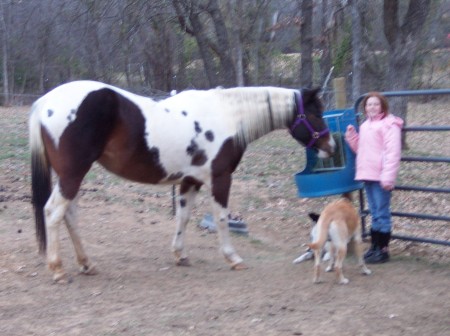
301, 119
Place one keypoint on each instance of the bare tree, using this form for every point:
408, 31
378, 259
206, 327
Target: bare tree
306, 43
208, 23
222, 48
158, 52
5, 40
404, 37
327, 20
253, 34
236, 11
356, 48
159, 44
189, 18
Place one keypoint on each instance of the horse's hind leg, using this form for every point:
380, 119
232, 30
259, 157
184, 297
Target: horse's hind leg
86, 267
55, 210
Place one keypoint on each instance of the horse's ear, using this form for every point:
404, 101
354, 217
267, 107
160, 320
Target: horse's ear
317, 90
309, 94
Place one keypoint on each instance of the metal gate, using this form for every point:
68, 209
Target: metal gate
409, 188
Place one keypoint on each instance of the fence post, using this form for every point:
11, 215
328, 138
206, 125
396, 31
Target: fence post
340, 92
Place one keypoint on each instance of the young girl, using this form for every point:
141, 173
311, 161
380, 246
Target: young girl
378, 152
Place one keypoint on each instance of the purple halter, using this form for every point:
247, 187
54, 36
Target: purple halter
301, 119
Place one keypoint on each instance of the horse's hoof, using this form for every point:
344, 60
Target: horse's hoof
367, 272
183, 262
239, 266
61, 278
88, 270
344, 281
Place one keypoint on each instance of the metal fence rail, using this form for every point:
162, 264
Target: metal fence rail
365, 212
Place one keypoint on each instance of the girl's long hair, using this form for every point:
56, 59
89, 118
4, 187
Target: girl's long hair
383, 102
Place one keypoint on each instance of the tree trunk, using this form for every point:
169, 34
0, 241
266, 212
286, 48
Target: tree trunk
236, 7
306, 41
223, 48
205, 53
356, 48
5, 75
325, 45
403, 40
256, 51
5, 54
186, 9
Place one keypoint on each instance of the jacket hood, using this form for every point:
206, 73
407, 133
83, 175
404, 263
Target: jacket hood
392, 120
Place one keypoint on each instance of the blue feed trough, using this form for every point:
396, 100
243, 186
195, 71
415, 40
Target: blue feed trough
325, 177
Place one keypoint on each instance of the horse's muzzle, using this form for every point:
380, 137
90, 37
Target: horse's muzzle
326, 148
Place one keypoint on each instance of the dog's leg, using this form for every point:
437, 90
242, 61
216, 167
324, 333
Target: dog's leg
326, 251
317, 258
332, 258
359, 254
341, 253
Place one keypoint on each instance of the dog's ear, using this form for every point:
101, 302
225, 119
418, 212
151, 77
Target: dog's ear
314, 216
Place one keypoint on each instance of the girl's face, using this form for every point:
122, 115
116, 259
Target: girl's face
373, 107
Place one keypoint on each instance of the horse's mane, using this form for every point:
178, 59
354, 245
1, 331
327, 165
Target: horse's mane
258, 110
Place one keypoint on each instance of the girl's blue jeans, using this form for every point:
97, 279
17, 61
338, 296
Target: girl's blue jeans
379, 206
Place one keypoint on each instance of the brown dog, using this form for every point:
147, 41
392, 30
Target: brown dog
339, 221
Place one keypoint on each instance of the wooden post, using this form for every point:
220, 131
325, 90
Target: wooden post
340, 92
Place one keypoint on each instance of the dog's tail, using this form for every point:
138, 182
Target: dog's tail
323, 225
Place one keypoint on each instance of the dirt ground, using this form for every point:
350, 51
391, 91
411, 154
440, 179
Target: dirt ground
128, 228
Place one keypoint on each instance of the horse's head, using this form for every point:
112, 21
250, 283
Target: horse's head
309, 127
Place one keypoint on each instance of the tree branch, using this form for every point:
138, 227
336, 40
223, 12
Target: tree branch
390, 18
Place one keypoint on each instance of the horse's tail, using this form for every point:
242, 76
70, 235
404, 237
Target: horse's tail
40, 176
323, 225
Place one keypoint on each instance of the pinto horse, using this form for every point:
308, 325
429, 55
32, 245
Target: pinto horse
194, 138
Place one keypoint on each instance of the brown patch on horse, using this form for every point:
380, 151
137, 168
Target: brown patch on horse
115, 137
199, 158
223, 165
198, 155
126, 152
209, 135
79, 146
188, 182
197, 127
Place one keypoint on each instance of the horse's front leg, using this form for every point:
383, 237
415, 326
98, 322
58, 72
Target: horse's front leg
55, 210
227, 249
220, 193
184, 205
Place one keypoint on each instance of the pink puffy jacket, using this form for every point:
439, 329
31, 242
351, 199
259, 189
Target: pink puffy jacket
377, 148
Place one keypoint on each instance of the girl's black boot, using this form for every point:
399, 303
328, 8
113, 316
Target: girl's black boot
373, 244
381, 254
